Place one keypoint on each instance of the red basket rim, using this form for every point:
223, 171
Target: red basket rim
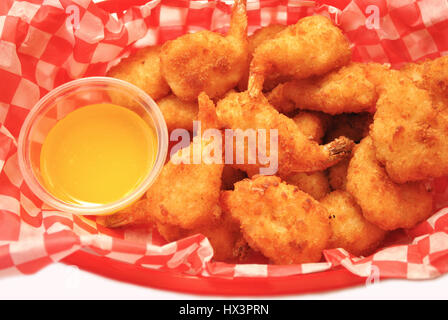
241, 286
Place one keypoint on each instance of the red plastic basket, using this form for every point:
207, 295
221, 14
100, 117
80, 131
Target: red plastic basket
425, 258
306, 283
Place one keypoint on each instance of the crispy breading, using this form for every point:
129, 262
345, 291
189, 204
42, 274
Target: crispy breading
313, 46
224, 235
387, 204
350, 230
207, 61
296, 153
178, 113
337, 175
258, 37
312, 124
409, 130
431, 75
285, 224
342, 91
143, 70
314, 183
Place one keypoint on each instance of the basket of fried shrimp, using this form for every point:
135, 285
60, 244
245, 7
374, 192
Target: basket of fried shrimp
308, 147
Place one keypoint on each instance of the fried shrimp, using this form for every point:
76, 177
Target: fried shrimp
409, 131
207, 61
258, 37
312, 124
283, 223
296, 153
224, 235
350, 230
311, 47
178, 113
190, 202
143, 70
342, 91
314, 183
383, 202
337, 175
431, 75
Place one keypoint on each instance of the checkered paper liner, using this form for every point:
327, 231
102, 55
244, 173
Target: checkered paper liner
39, 51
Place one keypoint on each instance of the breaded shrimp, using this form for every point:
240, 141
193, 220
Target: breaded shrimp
258, 37
283, 223
415, 72
341, 91
409, 130
224, 235
311, 47
337, 175
143, 70
354, 126
350, 230
314, 183
312, 124
435, 77
178, 113
296, 153
185, 195
383, 202
207, 61
431, 75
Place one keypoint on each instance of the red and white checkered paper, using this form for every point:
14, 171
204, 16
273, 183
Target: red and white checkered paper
39, 51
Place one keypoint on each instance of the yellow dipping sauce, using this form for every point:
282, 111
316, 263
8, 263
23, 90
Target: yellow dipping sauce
97, 154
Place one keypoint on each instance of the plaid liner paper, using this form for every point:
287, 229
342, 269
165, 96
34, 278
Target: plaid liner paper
45, 43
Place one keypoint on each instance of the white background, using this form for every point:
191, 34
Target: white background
59, 281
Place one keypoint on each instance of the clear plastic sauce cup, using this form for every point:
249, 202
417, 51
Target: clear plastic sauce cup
73, 95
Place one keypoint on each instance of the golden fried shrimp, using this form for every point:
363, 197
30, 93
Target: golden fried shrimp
337, 175
178, 113
185, 195
354, 126
414, 71
435, 77
143, 70
296, 153
385, 203
312, 124
230, 176
311, 47
259, 36
409, 131
341, 91
283, 223
431, 75
207, 61
224, 235
350, 230
314, 183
